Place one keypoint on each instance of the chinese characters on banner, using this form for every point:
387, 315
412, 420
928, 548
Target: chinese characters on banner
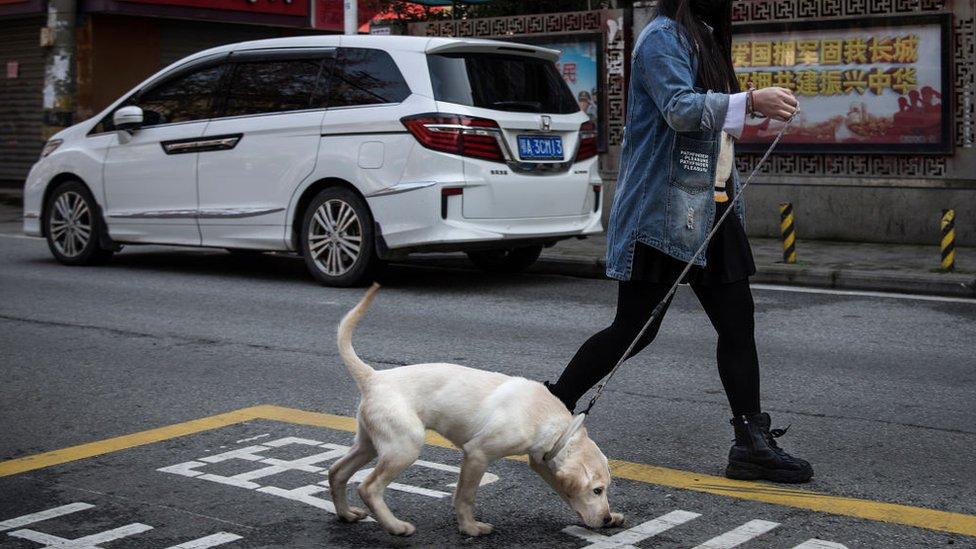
867, 86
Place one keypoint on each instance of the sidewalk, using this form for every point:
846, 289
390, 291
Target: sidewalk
842, 265
823, 264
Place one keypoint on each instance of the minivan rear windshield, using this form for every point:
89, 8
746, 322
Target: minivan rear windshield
501, 82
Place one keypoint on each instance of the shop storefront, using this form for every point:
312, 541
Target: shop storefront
118, 43
21, 85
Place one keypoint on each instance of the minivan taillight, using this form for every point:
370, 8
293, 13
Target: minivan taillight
587, 142
457, 134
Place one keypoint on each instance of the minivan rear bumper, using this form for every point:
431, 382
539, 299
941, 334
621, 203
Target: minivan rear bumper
413, 222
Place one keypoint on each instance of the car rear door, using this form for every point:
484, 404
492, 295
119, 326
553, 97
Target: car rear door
266, 141
363, 140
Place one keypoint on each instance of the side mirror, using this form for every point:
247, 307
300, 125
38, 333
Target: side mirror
128, 118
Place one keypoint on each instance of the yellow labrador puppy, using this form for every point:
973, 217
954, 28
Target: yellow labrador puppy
487, 415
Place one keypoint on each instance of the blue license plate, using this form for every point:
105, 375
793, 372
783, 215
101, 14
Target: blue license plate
533, 147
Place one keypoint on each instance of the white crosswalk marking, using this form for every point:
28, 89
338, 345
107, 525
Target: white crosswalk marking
87, 542
213, 540
820, 544
313, 465
740, 535
21, 521
625, 539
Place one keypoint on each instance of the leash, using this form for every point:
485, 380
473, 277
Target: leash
577, 421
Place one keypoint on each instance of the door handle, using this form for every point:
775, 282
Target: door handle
201, 144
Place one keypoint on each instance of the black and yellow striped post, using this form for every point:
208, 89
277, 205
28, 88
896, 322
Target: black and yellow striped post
788, 231
948, 240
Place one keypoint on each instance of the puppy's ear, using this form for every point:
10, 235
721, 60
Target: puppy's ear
570, 477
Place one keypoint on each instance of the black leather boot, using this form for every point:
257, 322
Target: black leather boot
756, 456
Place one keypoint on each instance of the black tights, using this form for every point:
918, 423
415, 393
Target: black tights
728, 306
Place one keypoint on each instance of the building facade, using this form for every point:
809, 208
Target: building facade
869, 188
877, 158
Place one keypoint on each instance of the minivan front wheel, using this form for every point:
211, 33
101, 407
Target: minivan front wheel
337, 238
72, 225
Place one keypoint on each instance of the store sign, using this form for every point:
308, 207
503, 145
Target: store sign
880, 86
271, 7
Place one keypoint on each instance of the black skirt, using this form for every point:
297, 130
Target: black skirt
728, 258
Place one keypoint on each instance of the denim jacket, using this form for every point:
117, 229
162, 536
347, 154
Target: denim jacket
665, 191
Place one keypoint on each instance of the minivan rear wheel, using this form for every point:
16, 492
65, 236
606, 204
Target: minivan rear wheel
73, 226
337, 238
512, 260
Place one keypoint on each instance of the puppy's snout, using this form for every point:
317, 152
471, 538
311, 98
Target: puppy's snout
607, 520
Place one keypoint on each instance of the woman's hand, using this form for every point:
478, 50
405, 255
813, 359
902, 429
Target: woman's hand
778, 103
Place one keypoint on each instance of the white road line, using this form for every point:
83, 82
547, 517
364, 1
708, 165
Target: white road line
740, 535
86, 542
214, 540
862, 293
626, 539
24, 520
819, 544
252, 438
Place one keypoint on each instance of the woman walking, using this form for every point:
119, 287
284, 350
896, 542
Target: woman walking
676, 177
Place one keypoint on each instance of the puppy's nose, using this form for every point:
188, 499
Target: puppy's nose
607, 520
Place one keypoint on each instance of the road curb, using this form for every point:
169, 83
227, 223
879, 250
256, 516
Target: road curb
948, 285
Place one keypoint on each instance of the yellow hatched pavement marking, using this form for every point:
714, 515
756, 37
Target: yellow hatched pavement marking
919, 517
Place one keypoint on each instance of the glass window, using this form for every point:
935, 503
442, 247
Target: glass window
184, 98
500, 82
273, 86
366, 77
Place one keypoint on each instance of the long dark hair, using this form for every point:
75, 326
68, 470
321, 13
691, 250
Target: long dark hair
715, 71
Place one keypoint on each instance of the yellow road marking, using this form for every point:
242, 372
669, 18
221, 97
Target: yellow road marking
101, 447
894, 513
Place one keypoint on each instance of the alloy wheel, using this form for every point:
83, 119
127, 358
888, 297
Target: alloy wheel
335, 237
70, 224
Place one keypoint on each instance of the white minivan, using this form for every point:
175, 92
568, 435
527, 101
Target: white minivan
349, 150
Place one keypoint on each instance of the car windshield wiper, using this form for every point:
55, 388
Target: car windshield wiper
527, 106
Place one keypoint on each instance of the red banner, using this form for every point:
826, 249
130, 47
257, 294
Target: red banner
275, 7
879, 85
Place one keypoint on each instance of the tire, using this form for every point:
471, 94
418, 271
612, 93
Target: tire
73, 226
337, 239
513, 260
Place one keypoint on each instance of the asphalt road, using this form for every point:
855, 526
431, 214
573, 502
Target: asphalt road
880, 393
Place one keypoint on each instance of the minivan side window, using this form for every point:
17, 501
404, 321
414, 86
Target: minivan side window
274, 86
182, 99
365, 76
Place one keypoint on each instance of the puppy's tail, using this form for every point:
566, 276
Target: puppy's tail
359, 370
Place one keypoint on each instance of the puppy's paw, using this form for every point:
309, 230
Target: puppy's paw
353, 514
616, 519
401, 528
475, 528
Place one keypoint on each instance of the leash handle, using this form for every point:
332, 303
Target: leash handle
674, 287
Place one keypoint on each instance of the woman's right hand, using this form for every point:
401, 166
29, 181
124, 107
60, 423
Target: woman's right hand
774, 102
